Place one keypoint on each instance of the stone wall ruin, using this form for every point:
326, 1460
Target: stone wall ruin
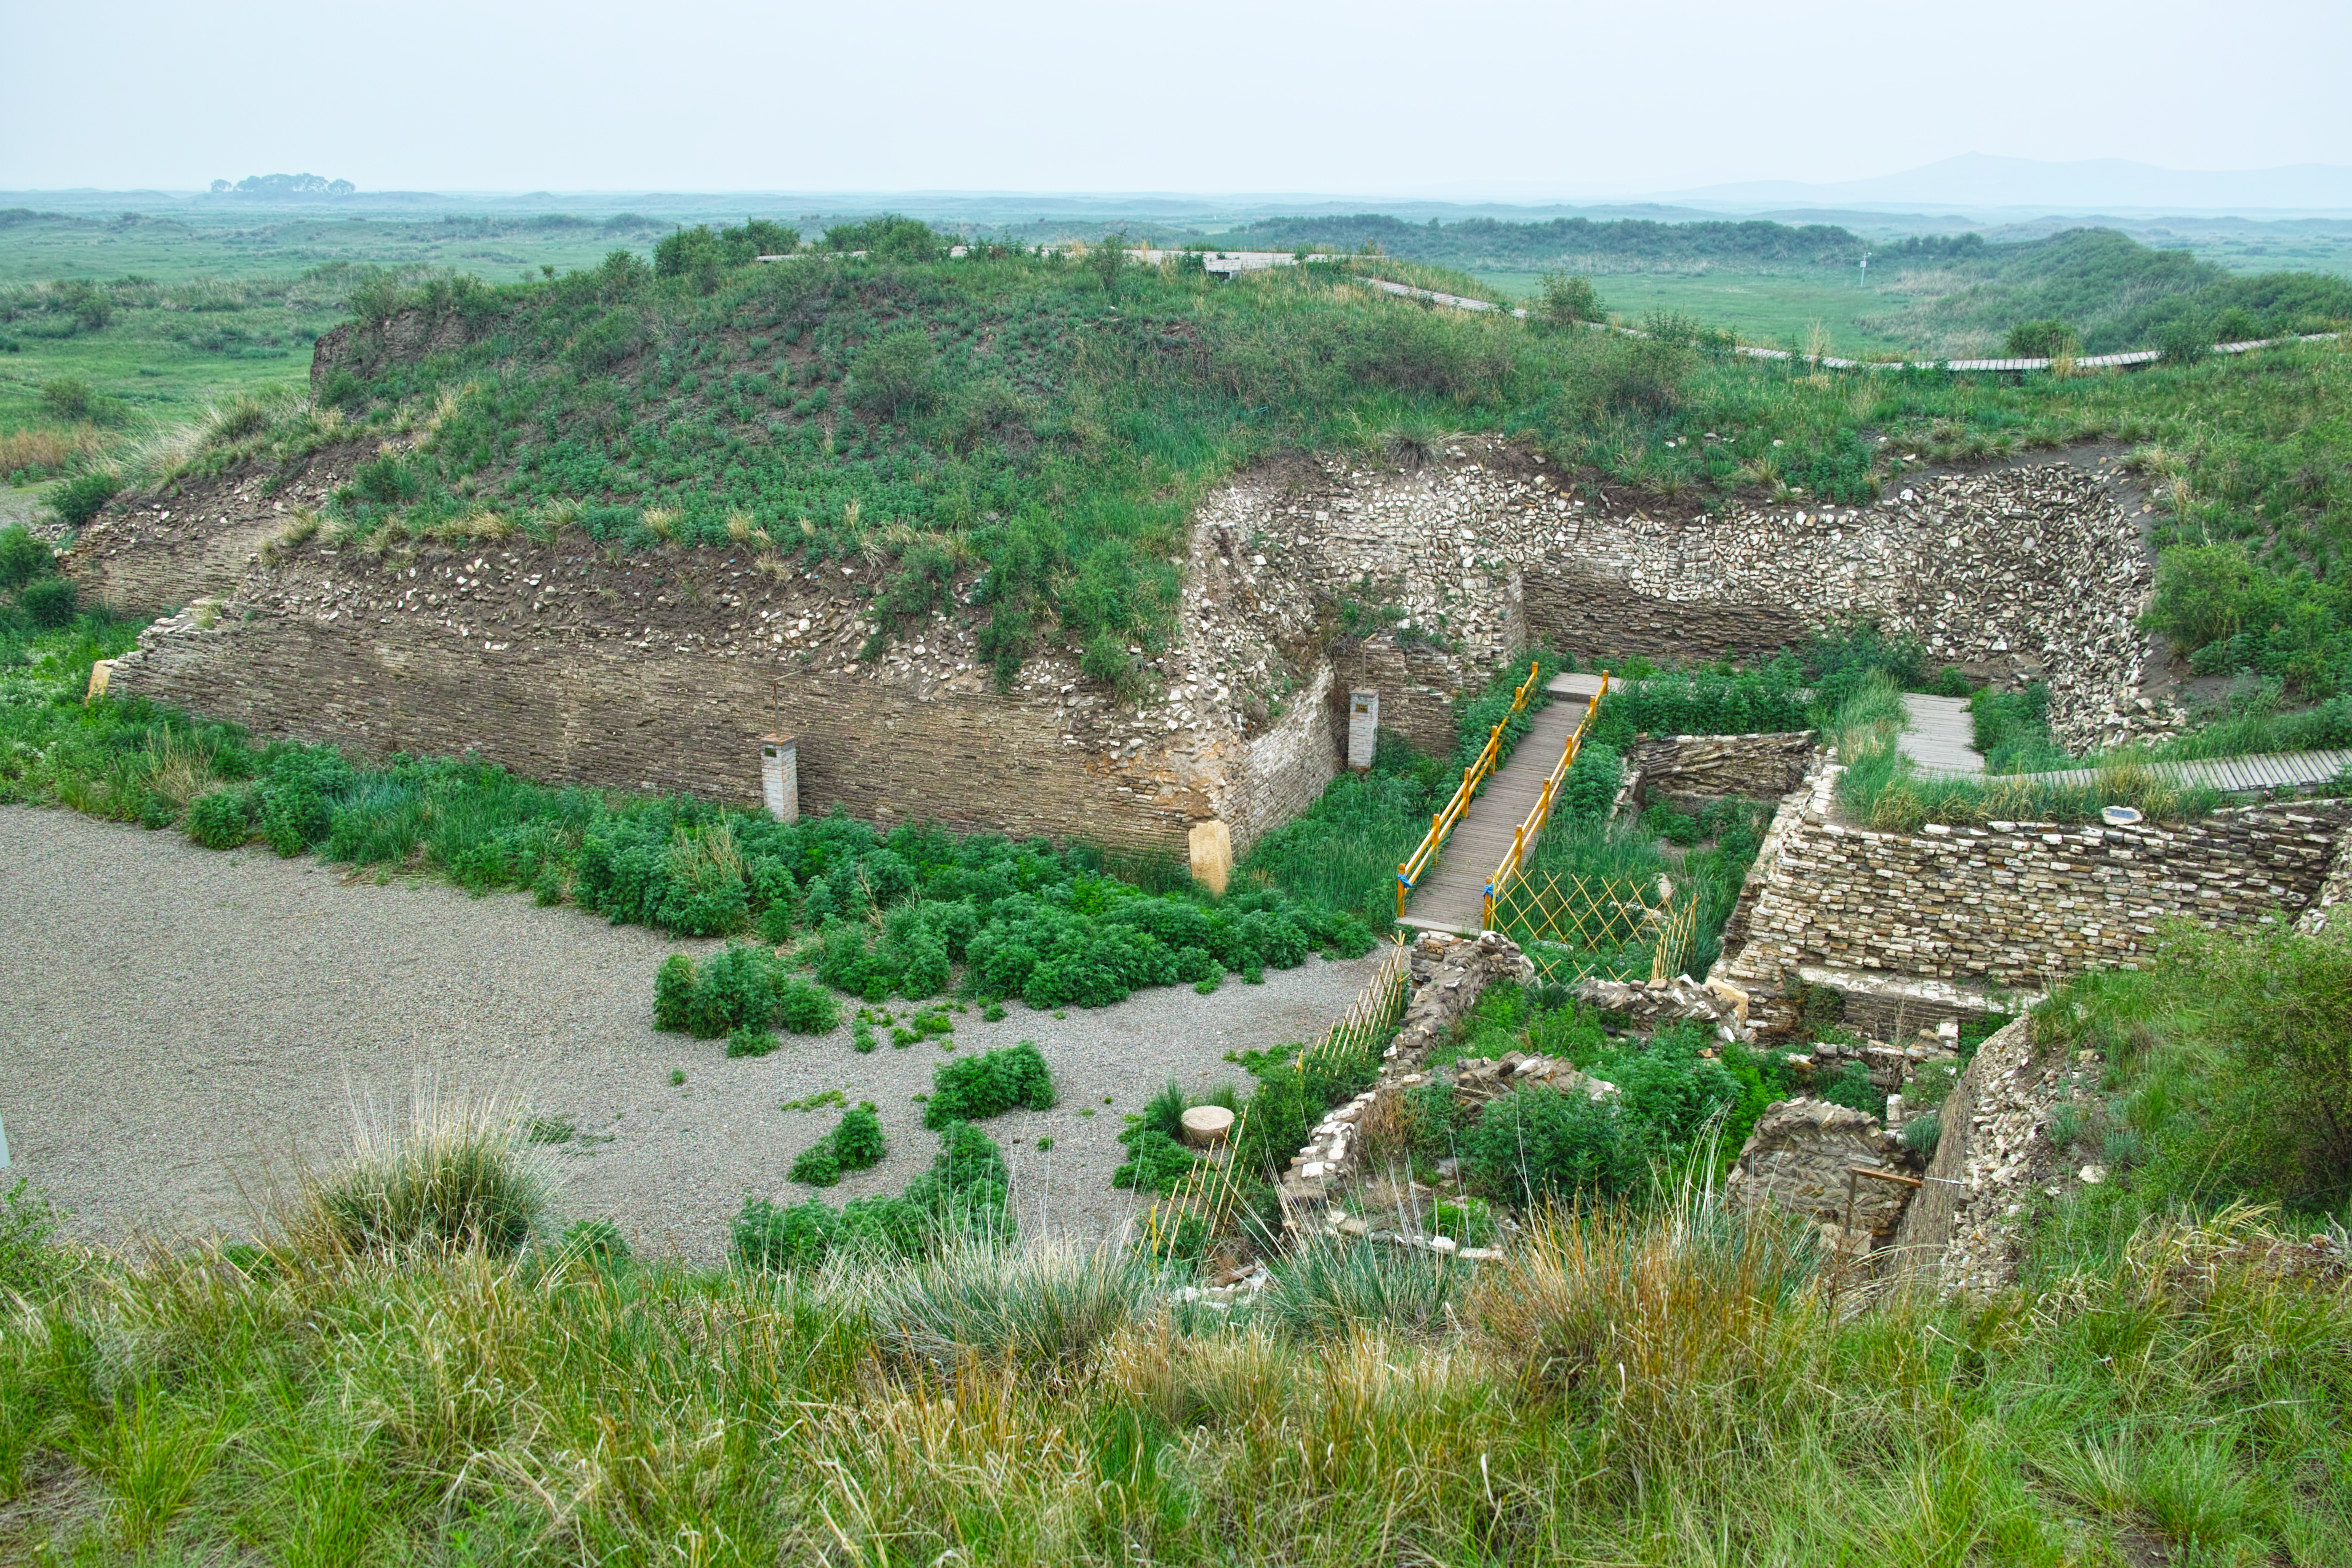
572, 661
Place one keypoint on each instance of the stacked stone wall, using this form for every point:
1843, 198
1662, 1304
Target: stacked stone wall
1303, 580
2011, 907
1711, 767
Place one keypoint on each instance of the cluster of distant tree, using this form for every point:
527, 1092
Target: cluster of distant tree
284, 185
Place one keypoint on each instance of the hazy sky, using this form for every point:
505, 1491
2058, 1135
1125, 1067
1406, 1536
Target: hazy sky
1364, 97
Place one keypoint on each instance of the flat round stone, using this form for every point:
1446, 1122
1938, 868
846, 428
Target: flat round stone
1206, 1125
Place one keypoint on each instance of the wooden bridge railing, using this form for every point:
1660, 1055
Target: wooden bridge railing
1410, 873
1523, 838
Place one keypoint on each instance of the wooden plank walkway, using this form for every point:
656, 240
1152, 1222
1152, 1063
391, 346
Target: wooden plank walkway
1940, 735
2231, 775
1452, 894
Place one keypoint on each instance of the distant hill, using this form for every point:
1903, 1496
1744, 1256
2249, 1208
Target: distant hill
2114, 291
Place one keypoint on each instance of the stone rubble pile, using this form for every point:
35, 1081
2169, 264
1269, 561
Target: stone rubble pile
1479, 1080
1654, 1004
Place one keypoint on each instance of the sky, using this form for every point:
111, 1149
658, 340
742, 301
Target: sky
1495, 98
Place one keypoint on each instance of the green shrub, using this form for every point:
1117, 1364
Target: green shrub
977, 1087
1468, 1220
735, 989
1922, 1133
750, 1042
23, 557
673, 991
1565, 301
49, 602
767, 1237
858, 1141
30, 1261
885, 1228
803, 1008
1851, 1087
221, 818
818, 1165
1538, 1144
1155, 1162
895, 375
2044, 339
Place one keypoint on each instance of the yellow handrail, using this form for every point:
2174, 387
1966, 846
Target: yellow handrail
1472, 776
1523, 838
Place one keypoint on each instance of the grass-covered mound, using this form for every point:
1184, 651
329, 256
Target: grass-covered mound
1019, 440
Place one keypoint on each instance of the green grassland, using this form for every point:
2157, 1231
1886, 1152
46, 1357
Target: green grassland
1024, 436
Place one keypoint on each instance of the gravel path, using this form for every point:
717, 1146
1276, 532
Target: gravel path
182, 1025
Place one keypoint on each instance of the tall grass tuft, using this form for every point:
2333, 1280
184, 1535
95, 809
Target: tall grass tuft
456, 1176
1041, 1308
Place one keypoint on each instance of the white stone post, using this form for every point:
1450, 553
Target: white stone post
1363, 727
780, 776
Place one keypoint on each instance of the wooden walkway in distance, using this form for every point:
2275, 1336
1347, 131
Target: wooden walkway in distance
2231, 775
1939, 735
1452, 894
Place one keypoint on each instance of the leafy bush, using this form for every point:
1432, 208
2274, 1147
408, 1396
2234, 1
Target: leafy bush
1565, 301
974, 1088
858, 1141
1539, 1144
818, 1165
767, 1237
2045, 339
221, 819
750, 1042
806, 1009
49, 602
1851, 1087
77, 500
673, 992
1155, 1162
23, 557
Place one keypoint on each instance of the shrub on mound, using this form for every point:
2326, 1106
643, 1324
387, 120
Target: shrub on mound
978, 1087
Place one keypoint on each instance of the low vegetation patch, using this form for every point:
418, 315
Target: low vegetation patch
974, 1088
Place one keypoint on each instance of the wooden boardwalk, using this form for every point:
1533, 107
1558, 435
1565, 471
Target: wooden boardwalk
1452, 894
1940, 736
2231, 775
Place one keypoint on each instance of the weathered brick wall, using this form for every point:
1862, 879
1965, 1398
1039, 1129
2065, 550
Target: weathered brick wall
2015, 907
661, 672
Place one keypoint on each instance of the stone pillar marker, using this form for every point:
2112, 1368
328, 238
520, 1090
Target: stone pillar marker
780, 776
1363, 727
1212, 855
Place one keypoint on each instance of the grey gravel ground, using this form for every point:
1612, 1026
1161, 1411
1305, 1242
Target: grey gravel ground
179, 1026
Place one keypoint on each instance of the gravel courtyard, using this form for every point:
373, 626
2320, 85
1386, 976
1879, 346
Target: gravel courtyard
183, 1026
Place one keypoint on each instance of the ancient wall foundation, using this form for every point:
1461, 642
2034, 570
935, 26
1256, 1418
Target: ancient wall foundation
577, 661
1945, 920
